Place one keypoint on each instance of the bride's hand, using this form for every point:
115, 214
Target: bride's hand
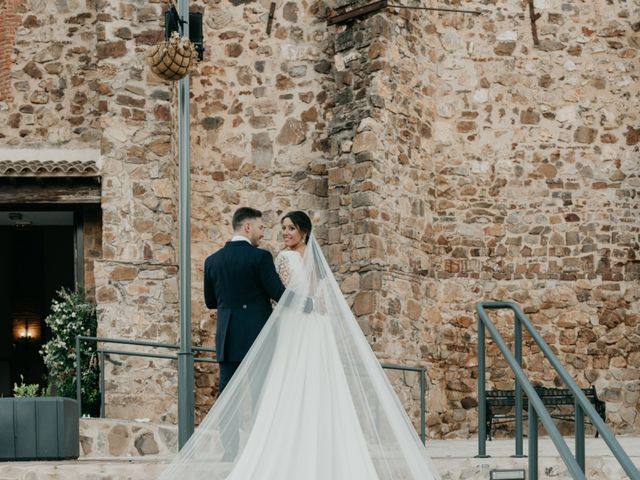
319, 305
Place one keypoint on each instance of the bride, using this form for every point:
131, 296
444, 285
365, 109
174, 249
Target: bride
310, 400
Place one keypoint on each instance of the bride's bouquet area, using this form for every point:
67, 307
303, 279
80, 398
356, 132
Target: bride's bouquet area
309, 402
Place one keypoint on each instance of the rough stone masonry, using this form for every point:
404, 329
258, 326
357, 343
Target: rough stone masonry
445, 159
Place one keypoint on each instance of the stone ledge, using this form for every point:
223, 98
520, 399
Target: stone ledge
107, 438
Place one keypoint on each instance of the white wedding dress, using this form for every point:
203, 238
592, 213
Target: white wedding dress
309, 402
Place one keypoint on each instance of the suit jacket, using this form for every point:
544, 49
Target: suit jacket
240, 280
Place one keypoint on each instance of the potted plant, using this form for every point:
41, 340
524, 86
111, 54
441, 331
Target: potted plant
37, 427
72, 314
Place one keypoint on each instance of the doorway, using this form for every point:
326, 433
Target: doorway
37, 258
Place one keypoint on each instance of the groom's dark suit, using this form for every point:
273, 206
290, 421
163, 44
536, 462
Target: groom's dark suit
239, 280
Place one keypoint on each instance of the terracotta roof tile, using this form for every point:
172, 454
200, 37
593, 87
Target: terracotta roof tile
48, 168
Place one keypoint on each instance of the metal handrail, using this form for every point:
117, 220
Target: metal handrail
422, 375
575, 465
101, 353
144, 343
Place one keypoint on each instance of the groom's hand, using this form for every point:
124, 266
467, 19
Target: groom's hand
308, 305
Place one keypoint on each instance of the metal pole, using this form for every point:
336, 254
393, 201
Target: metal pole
101, 357
533, 442
518, 393
482, 396
423, 420
78, 378
579, 417
185, 355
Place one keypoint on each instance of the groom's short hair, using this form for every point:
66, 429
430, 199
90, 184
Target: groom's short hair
243, 214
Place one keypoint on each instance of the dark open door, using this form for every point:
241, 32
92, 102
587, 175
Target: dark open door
40, 252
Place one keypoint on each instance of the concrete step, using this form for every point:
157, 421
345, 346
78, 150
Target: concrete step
454, 459
139, 468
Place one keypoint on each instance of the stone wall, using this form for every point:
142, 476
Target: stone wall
92, 233
258, 133
535, 185
77, 80
379, 182
478, 166
444, 158
137, 281
48, 91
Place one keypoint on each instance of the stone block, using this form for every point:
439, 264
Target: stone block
366, 141
262, 149
124, 273
118, 438
632, 135
293, 132
115, 49
233, 50
529, 117
212, 123
585, 134
504, 48
39, 97
146, 444
371, 281
32, 70
49, 53
550, 45
364, 303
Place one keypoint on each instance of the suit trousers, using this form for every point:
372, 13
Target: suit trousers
227, 369
230, 438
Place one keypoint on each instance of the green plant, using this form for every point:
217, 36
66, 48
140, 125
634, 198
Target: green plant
26, 390
71, 315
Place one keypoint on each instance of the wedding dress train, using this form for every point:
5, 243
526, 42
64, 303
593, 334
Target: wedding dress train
309, 402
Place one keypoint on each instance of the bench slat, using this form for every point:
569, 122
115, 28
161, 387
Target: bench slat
549, 396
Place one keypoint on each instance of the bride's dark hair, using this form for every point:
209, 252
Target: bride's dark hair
300, 220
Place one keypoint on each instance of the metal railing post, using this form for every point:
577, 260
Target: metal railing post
423, 420
101, 366
78, 377
518, 389
482, 394
533, 442
579, 418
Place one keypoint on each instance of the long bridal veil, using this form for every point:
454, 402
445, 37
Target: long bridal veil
309, 402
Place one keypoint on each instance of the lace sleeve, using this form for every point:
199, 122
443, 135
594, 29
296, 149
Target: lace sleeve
282, 266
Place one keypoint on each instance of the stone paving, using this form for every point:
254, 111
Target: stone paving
454, 459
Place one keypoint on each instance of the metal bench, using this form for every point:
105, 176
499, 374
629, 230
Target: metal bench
553, 397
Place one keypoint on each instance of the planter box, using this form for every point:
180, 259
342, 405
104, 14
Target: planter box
40, 428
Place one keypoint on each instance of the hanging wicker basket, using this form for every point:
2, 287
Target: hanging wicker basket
172, 59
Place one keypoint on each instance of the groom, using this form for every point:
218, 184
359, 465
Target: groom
240, 280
